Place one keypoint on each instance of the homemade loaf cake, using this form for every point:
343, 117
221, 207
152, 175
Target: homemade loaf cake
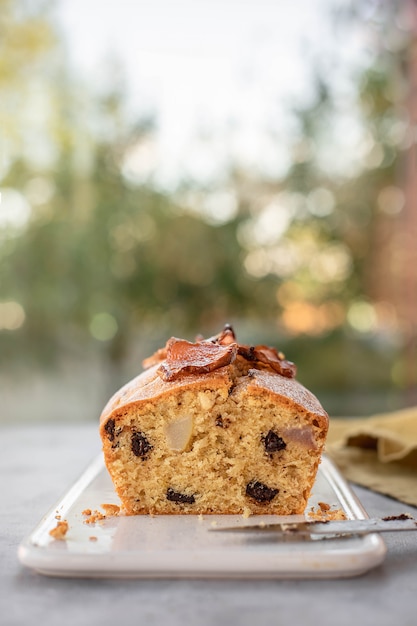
214, 427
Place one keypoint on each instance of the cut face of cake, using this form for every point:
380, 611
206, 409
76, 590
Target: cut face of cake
214, 427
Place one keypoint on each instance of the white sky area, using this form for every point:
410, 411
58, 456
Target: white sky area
219, 74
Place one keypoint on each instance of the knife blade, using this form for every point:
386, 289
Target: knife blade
326, 528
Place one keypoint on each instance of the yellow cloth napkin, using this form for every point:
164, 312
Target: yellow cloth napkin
378, 452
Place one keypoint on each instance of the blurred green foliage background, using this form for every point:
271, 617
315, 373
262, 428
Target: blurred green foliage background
98, 267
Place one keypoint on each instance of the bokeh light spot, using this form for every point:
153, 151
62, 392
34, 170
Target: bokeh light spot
12, 315
103, 326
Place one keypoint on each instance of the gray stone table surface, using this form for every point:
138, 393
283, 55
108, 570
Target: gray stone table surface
40, 462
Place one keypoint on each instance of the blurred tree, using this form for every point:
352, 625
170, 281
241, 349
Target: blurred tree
26, 43
341, 243
102, 260
385, 190
92, 260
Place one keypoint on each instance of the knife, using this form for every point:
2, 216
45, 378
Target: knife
326, 528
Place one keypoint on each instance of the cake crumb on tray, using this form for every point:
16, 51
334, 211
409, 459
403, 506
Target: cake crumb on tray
325, 513
60, 530
92, 517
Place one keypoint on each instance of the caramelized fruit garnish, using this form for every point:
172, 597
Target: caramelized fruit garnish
202, 357
180, 357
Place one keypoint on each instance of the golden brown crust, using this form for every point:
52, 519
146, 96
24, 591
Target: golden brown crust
288, 390
149, 386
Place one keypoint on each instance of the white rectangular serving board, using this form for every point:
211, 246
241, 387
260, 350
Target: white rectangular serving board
184, 546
